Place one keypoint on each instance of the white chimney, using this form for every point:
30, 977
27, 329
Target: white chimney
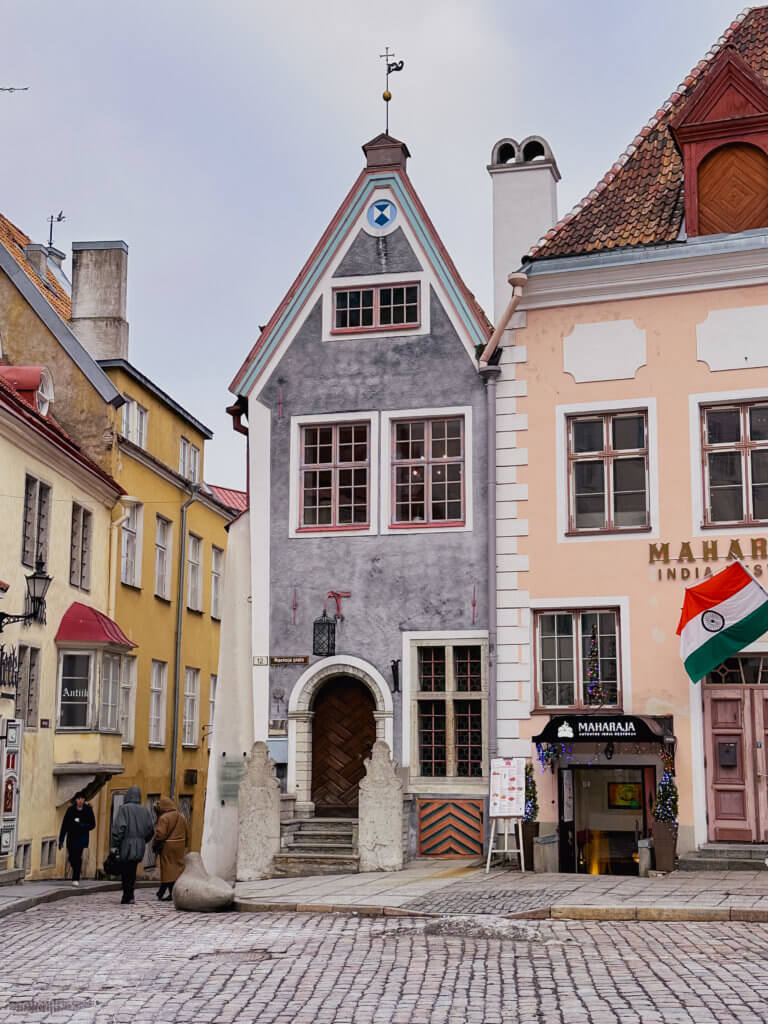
525, 178
99, 287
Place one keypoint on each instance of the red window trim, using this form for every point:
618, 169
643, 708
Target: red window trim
744, 447
334, 466
427, 462
578, 705
376, 328
607, 456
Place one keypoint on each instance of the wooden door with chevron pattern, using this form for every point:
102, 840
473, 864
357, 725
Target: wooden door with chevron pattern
450, 828
343, 733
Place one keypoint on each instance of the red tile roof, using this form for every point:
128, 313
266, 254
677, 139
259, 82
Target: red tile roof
46, 425
640, 199
81, 624
15, 241
236, 500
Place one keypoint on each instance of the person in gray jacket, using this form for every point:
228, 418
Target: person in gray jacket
132, 828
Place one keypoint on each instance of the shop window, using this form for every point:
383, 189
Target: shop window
577, 658
75, 690
450, 709
334, 476
608, 472
735, 463
428, 472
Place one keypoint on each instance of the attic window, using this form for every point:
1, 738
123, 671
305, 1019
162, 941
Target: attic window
733, 190
44, 393
382, 307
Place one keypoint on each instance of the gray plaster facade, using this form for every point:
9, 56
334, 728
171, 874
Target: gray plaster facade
398, 582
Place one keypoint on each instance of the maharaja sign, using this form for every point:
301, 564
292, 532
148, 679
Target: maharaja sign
693, 561
619, 728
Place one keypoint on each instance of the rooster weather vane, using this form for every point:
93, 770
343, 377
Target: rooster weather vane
391, 65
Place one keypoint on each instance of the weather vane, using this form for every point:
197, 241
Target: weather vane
14, 88
55, 218
392, 65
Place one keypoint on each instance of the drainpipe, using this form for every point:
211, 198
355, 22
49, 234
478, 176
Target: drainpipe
179, 621
114, 527
490, 374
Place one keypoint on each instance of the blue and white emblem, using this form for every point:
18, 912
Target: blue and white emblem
382, 213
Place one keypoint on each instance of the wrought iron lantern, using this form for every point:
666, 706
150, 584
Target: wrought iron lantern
324, 636
37, 587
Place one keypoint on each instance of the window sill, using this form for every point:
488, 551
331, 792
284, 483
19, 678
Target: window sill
190, 746
215, 618
195, 611
86, 730
131, 586
447, 524
309, 530
759, 524
128, 746
627, 531
156, 746
572, 709
163, 598
345, 332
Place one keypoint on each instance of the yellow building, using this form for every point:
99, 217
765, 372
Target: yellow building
168, 594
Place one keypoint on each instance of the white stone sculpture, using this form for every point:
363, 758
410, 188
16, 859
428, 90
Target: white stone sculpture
258, 837
380, 837
196, 890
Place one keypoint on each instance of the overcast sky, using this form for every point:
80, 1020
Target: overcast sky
218, 137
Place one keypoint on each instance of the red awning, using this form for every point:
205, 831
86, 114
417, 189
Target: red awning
81, 624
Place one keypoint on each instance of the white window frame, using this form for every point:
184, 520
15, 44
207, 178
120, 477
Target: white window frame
194, 578
621, 605
23, 708
334, 284
127, 706
562, 414
695, 406
213, 684
189, 460
90, 716
40, 544
135, 421
109, 696
190, 725
217, 571
163, 552
385, 462
294, 499
135, 531
81, 546
158, 675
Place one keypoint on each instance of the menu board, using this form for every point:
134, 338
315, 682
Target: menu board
507, 787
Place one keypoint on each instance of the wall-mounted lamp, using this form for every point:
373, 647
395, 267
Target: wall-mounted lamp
395, 666
324, 636
37, 587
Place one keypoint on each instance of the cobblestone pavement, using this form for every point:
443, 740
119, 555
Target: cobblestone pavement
91, 961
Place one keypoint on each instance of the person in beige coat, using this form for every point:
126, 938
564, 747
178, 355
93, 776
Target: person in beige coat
170, 843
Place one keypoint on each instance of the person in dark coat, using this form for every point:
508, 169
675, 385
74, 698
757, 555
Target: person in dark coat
78, 822
170, 842
132, 829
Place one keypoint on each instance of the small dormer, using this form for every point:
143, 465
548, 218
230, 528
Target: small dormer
33, 383
722, 134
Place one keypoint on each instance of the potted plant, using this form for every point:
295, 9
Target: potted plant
664, 826
530, 816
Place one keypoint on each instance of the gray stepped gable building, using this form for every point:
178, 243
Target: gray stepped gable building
368, 468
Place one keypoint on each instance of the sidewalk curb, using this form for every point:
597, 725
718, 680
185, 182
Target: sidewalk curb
556, 913
27, 903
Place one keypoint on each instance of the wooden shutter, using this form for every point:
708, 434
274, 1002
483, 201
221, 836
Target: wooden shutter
43, 521
85, 550
28, 526
75, 545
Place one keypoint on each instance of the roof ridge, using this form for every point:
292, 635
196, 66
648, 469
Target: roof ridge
615, 169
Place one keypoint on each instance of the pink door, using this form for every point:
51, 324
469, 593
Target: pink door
731, 758
760, 702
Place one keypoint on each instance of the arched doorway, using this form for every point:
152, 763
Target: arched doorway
343, 732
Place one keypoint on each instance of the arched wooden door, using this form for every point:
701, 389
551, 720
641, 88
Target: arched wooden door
343, 732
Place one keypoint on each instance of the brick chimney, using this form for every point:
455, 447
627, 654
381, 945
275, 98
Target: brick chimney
525, 178
99, 287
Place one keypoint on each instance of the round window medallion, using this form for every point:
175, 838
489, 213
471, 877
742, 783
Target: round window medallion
712, 621
382, 213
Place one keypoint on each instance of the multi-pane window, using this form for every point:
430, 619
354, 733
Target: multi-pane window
189, 460
191, 719
608, 472
80, 547
75, 690
194, 573
28, 689
163, 530
127, 698
212, 704
130, 568
217, 567
382, 306
135, 422
334, 471
577, 658
735, 451
35, 527
157, 689
428, 472
110, 693
450, 709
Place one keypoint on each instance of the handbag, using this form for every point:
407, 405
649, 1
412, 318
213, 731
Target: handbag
113, 865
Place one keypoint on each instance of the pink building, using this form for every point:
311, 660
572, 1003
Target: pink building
632, 460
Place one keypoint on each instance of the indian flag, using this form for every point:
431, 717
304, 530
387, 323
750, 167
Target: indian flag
720, 616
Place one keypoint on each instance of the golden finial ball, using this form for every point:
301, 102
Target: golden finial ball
387, 95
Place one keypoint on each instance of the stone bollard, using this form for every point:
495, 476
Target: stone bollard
546, 853
644, 847
258, 833
380, 835
196, 890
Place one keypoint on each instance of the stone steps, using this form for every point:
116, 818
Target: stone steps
726, 857
318, 846
745, 851
329, 844
314, 863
